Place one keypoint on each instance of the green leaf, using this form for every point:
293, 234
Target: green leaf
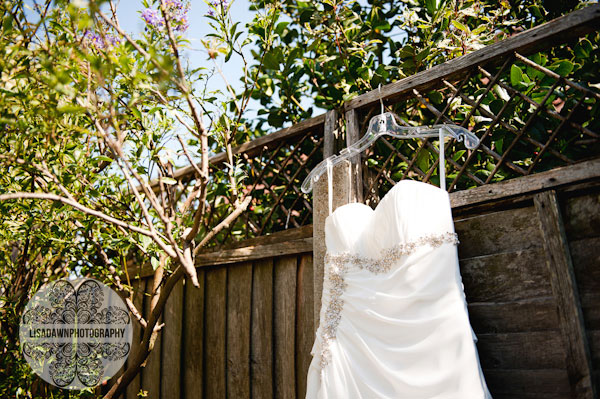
516, 75
435, 97
145, 242
423, 160
70, 109
583, 48
563, 68
155, 263
168, 180
104, 158
460, 26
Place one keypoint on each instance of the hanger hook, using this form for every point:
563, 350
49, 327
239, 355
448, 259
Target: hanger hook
381, 99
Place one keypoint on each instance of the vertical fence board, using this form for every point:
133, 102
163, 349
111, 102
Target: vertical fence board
215, 319
352, 136
341, 194
261, 346
170, 385
564, 286
304, 322
193, 332
239, 286
151, 373
138, 300
285, 315
330, 136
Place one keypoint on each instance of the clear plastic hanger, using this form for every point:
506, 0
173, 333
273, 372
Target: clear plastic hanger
385, 125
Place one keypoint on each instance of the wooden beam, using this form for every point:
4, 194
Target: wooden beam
243, 254
564, 287
255, 252
554, 178
559, 30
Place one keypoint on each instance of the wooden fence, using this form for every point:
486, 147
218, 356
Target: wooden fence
529, 234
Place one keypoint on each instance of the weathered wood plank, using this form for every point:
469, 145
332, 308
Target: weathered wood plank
252, 253
595, 348
538, 314
284, 322
305, 328
503, 231
525, 350
340, 196
585, 254
543, 36
352, 136
591, 310
261, 347
193, 334
329, 133
239, 296
215, 320
507, 276
565, 291
138, 300
554, 178
151, 373
582, 216
274, 238
171, 340
552, 382
529, 395
247, 253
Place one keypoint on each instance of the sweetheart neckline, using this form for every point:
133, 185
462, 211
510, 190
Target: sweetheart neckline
384, 197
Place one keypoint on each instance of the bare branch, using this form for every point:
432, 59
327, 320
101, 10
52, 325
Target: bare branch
76, 205
225, 223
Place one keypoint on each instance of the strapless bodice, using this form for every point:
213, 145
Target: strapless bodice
410, 211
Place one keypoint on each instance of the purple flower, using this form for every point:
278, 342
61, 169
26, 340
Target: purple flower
182, 22
96, 40
174, 3
176, 12
113, 40
215, 5
152, 17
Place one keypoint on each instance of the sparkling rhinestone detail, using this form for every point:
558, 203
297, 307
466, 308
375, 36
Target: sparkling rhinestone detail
338, 264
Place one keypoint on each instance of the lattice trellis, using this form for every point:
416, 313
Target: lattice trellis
530, 114
274, 175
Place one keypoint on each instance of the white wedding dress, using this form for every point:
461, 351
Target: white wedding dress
393, 321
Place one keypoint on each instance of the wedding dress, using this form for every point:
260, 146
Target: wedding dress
393, 321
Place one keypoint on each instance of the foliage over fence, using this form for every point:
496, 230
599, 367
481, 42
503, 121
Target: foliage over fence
532, 113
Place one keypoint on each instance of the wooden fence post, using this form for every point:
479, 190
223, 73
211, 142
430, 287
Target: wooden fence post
340, 193
352, 136
564, 287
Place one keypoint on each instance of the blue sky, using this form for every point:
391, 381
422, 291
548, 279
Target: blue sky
128, 12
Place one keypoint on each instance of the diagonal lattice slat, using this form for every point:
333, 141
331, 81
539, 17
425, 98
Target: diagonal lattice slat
530, 113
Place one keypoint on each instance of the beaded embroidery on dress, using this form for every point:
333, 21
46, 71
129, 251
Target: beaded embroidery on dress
393, 320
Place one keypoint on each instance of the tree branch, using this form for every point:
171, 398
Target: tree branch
76, 205
225, 223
